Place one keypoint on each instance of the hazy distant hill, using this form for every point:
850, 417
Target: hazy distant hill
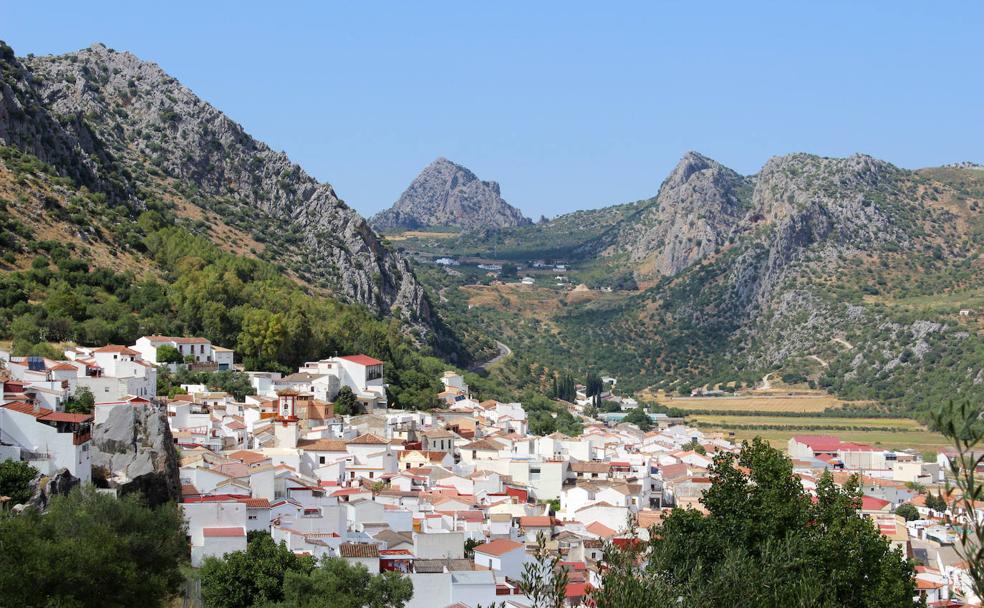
447, 194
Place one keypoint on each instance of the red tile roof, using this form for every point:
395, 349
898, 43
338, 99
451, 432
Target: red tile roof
536, 521
498, 547
27, 408
362, 359
368, 439
871, 503
358, 550
256, 503
65, 417
223, 532
819, 443
63, 366
116, 348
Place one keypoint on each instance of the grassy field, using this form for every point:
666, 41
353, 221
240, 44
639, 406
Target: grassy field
888, 423
809, 402
916, 439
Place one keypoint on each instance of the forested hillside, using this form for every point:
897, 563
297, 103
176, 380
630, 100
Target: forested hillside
846, 274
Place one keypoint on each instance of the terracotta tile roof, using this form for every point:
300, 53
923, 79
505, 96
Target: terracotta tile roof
362, 359
498, 547
66, 417
116, 348
358, 550
256, 503
63, 366
248, 457
223, 532
188, 489
322, 445
536, 521
27, 408
590, 467
599, 529
483, 444
368, 439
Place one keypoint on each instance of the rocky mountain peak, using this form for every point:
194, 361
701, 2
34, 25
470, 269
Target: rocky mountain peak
124, 126
448, 194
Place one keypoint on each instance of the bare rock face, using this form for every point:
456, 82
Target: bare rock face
134, 448
447, 194
44, 487
697, 210
123, 126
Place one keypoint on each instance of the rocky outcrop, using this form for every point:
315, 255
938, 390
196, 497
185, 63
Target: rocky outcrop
698, 209
44, 487
128, 128
447, 194
134, 450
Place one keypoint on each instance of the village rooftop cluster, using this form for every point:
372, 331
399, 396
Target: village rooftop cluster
453, 498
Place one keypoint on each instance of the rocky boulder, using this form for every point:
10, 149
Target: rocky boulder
133, 448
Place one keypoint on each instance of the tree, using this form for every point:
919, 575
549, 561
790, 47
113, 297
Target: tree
764, 542
89, 549
168, 354
346, 403
695, 446
962, 424
509, 271
81, 402
544, 581
337, 584
15, 480
594, 387
907, 511
936, 502
640, 418
252, 577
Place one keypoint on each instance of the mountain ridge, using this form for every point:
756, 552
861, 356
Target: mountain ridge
123, 126
447, 194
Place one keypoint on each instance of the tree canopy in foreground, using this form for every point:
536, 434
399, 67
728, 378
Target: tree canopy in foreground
764, 542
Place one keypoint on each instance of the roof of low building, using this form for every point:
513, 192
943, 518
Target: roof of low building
498, 547
362, 359
116, 348
358, 550
223, 532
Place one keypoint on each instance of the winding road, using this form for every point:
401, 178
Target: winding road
504, 351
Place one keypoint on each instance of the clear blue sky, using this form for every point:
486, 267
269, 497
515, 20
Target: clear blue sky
568, 105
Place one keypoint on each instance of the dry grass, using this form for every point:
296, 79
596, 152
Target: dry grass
892, 423
784, 402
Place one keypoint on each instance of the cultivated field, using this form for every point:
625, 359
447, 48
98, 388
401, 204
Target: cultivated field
803, 421
918, 440
807, 402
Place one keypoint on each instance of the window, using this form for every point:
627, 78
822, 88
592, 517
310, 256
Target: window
321, 460
252, 517
370, 474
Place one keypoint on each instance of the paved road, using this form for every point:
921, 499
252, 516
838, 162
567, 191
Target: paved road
504, 351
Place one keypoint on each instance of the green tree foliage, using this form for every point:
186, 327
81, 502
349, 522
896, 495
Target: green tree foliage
337, 584
15, 479
544, 582
272, 576
346, 403
763, 543
907, 511
563, 387
640, 418
509, 271
936, 502
168, 354
89, 549
201, 290
81, 402
594, 387
253, 577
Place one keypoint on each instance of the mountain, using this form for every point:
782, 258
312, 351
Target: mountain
447, 194
124, 128
850, 272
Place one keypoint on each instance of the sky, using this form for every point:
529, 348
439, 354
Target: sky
568, 105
